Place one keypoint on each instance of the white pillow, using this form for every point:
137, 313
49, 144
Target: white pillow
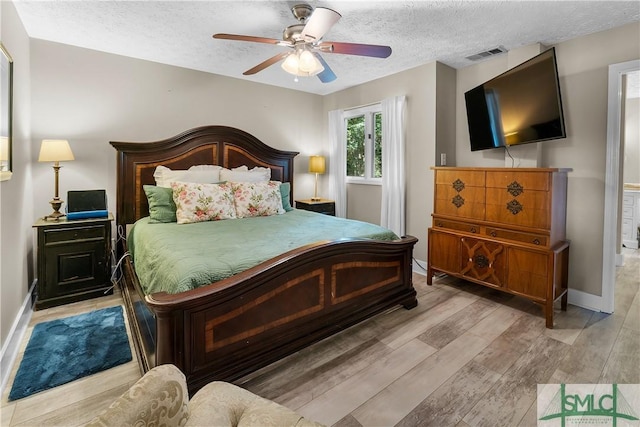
243, 174
165, 176
206, 168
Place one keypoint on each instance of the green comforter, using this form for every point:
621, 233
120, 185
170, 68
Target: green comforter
173, 257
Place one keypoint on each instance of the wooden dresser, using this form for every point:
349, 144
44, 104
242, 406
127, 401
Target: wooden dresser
503, 228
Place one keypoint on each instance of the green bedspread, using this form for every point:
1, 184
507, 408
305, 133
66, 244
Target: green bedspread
173, 257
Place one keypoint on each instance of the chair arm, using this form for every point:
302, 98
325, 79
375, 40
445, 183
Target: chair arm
224, 404
160, 397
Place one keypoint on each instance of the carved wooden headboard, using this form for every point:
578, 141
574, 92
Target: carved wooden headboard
208, 145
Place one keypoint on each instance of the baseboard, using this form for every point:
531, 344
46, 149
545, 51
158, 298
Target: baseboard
419, 267
585, 300
17, 332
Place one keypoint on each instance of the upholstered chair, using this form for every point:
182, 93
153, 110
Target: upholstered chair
160, 398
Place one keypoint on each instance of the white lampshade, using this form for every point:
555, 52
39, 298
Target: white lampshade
55, 150
4, 148
290, 65
316, 164
302, 63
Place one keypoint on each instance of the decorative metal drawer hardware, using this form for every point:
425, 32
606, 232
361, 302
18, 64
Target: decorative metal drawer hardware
514, 207
515, 189
481, 261
457, 201
458, 185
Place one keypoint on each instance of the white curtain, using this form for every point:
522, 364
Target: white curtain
338, 162
392, 215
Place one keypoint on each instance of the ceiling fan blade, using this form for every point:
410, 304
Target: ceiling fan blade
373, 50
246, 38
261, 66
321, 21
327, 75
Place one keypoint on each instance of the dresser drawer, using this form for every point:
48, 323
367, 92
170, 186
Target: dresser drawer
71, 234
529, 209
627, 211
627, 200
466, 203
526, 180
534, 239
627, 229
466, 178
467, 227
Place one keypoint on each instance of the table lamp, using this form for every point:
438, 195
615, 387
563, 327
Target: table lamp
56, 151
317, 166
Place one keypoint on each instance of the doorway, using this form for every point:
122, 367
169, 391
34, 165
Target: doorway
617, 72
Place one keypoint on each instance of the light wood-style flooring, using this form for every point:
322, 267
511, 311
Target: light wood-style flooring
465, 356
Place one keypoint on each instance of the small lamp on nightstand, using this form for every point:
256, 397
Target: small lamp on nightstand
56, 151
317, 166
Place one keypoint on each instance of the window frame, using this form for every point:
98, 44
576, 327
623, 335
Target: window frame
369, 113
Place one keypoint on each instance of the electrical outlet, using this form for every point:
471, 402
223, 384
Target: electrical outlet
443, 159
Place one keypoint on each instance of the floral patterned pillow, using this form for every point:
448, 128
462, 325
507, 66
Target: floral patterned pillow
197, 202
257, 198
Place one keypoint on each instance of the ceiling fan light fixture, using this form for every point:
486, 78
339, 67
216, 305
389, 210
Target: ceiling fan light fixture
302, 63
291, 64
308, 62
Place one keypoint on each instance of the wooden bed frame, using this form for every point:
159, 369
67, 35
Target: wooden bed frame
230, 328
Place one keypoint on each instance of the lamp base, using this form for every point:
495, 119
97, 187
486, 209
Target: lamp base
56, 204
316, 199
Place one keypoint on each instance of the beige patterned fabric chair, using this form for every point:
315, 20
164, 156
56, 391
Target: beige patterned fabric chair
160, 398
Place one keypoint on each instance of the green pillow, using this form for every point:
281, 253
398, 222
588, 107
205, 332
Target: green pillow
161, 205
285, 192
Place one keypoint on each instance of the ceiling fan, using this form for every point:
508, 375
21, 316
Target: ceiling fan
305, 39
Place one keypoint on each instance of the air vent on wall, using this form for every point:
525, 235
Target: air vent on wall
487, 53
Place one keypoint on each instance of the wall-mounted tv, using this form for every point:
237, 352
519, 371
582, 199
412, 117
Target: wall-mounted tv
520, 106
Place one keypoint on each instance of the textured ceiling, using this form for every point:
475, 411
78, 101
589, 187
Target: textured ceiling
179, 32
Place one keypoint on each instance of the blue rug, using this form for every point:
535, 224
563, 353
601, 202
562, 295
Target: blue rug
63, 350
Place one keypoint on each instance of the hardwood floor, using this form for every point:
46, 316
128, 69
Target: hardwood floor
465, 356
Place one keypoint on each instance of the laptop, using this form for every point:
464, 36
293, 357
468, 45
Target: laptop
87, 204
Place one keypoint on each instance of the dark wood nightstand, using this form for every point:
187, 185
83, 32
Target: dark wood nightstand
323, 206
74, 260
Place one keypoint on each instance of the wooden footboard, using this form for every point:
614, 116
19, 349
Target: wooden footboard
228, 329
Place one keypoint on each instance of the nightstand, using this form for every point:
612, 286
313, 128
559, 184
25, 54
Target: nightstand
323, 206
74, 260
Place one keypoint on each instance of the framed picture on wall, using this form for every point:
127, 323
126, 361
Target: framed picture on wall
6, 114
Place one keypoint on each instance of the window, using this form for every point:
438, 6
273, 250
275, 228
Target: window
364, 145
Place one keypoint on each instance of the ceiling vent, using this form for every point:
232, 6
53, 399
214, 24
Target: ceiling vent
487, 53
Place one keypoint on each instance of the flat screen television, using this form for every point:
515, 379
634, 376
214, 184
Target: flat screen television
520, 106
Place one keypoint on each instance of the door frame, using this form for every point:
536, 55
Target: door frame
612, 181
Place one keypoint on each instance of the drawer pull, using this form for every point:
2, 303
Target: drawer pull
440, 224
493, 233
482, 261
515, 189
473, 230
458, 185
536, 241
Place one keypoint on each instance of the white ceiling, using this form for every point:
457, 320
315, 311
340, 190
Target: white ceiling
180, 32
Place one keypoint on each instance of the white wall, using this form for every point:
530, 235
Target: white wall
91, 98
632, 141
583, 68
16, 207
